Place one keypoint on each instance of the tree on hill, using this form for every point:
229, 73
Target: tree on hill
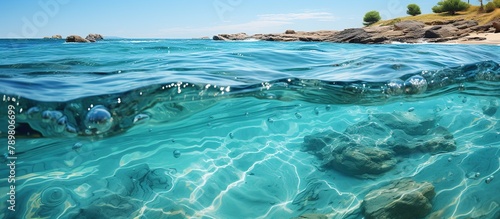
481, 8
489, 7
371, 17
450, 6
413, 9
497, 3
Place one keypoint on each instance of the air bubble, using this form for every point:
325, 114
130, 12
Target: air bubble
51, 116
77, 146
298, 115
316, 111
395, 87
411, 109
141, 118
98, 118
231, 135
488, 179
415, 85
88, 132
53, 196
328, 107
473, 175
270, 120
177, 153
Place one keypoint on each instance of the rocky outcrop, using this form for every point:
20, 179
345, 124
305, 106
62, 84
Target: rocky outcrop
237, 36
76, 39
403, 31
353, 35
409, 25
441, 31
496, 25
93, 37
54, 37
90, 38
402, 199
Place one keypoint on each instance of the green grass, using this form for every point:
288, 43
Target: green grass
471, 14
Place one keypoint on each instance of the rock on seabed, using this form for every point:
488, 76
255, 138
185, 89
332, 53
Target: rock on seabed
402, 199
371, 146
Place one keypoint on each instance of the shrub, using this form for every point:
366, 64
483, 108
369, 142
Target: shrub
450, 6
489, 7
497, 3
413, 9
437, 9
371, 17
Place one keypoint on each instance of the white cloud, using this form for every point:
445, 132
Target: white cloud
263, 23
319, 16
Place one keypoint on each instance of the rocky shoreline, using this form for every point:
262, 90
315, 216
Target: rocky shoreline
403, 32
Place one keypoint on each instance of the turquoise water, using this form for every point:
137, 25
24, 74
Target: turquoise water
205, 129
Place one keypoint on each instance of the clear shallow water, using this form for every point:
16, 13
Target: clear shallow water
238, 113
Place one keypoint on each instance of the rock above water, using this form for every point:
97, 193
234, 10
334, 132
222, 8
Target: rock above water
496, 25
402, 199
53, 37
237, 36
90, 38
441, 31
94, 37
409, 25
353, 35
76, 39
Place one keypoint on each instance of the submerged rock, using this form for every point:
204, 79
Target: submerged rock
371, 146
311, 216
126, 193
491, 109
402, 199
343, 153
359, 160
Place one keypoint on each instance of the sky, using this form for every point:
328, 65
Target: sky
188, 18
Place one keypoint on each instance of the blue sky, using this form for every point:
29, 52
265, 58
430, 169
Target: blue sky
188, 18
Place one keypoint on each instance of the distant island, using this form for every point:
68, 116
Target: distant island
470, 26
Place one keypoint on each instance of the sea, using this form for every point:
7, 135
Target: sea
193, 128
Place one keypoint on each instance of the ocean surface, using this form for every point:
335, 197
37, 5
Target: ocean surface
133, 128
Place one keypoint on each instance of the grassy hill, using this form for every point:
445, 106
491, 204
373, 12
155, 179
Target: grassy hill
472, 13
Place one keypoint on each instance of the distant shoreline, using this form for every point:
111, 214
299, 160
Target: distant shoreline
408, 31
466, 27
